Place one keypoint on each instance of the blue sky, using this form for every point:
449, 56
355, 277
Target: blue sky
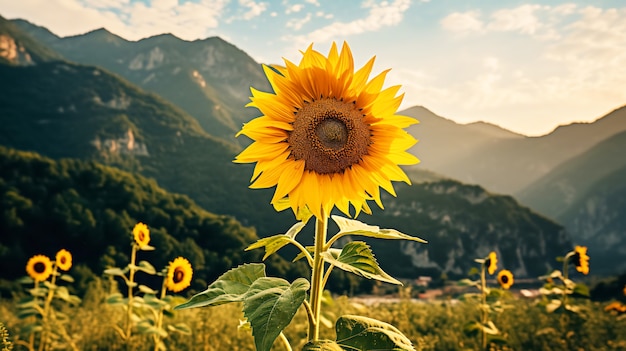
526, 66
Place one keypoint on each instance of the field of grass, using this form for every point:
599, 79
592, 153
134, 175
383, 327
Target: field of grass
430, 325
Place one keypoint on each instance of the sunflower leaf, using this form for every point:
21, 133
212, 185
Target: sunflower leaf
357, 257
353, 227
229, 287
146, 267
363, 333
115, 271
269, 306
322, 345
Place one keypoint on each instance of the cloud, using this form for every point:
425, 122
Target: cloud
294, 8
133, 21
380, 15
255, 9
297, 23
463, 22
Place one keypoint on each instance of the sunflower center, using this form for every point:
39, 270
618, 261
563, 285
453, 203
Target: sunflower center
505, 279
63, 260
39, 267
141, 235
179, 274
329, 135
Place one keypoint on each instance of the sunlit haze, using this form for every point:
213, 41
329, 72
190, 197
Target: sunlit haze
527, 67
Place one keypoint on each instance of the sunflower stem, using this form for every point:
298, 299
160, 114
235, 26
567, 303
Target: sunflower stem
317, 276
483, 285
131, 279
159, 320
43, 344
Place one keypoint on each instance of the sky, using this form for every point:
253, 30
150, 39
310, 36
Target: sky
525, 66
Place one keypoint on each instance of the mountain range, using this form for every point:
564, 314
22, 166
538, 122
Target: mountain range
69, 102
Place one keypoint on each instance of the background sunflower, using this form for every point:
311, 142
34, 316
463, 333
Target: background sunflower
505, 278
141, 233
39, 267
179, 273
492, 262
581, 260
64, 260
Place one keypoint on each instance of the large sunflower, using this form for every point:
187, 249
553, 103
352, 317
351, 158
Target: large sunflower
64, 260
491, 262
328, 136
141, 233
581, 260
505, 278
39, 267
179, 274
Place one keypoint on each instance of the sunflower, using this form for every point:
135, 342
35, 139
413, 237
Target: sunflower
179, 274
491, 262
327, 137
580, 259
39, 267
141, 233
505, 278
64, 260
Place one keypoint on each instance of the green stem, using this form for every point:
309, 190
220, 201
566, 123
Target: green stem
483, 309
159, 321
317, 276
283, 338
131, 280
565, 276
46, 310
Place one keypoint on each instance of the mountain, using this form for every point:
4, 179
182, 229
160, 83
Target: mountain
90, 210
461, 223
210, 79
18, 48
502, 161
586, 194
61, 109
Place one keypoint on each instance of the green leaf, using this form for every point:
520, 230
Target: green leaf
322, 345
357, 257
115, 299
115, 271
229, 287
66, 277
277, 242
467, 282
351, 226
147, 290
363, 333
146, 267
581, 289
553, 305
147, 248
269, 306
180, 328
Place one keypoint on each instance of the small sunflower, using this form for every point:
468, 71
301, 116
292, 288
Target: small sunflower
39, 267
491, 262
141, 233
328, 137
505, 278
64, 260
580, 259
179, 274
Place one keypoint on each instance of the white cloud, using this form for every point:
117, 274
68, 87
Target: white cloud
523, 19
133, 21
294, 8
463, 22
255, 9
297, 23
313, 2
380, 15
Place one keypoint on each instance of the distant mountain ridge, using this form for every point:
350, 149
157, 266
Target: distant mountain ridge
210, 79
499, 160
